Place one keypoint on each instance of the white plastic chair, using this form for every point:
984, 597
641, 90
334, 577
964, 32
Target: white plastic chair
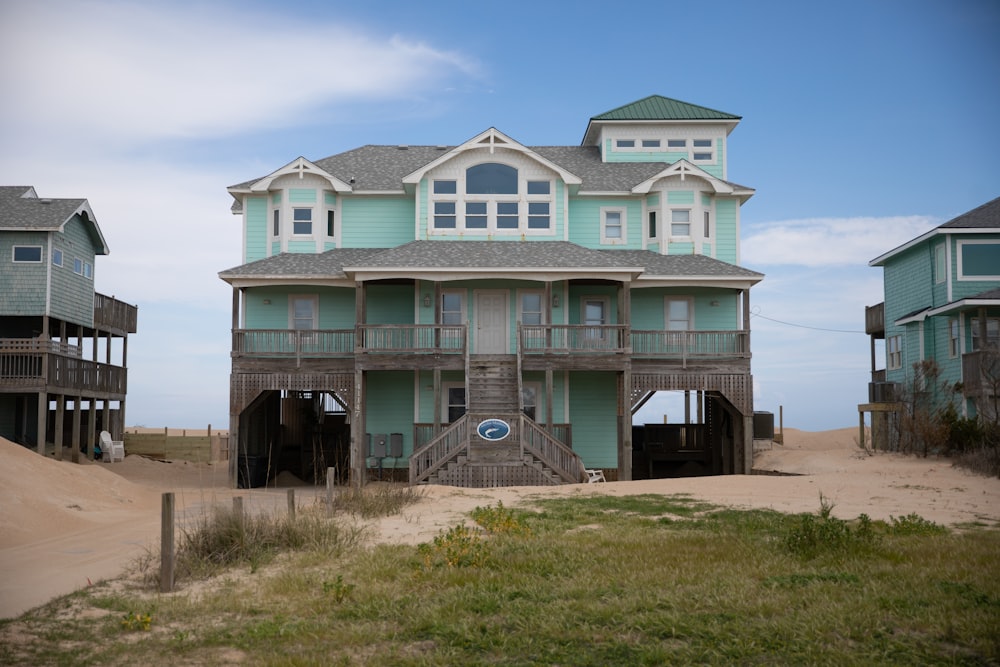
595, 475
111, 450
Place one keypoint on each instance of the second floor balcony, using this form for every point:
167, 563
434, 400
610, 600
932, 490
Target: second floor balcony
452, 341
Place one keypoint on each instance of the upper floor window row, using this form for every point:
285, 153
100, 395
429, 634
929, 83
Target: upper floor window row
494, 198
303, 222
698, 150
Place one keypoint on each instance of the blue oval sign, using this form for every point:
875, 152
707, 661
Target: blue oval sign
493, 429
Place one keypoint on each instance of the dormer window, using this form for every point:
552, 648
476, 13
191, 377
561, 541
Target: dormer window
677, 143
625, 143
302, 221
680, 222
495, 200
650, 143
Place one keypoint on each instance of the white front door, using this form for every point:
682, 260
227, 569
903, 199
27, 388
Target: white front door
491, 323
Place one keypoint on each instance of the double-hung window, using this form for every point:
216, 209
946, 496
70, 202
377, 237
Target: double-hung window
953, 337
613, 225
303, 312
939, 263
992, 333
57, 257
302, 221
539, 204
894, 352
680, 222
595, 316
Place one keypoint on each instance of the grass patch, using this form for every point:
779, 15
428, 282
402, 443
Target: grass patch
644, 580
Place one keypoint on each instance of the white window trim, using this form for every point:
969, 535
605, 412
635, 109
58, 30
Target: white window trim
666, 311
76, 261
445, 388
712, 150
520, 305
291, 309
88, 271
961, 270
690, 210
605, 239
889, 354
275, 212
312, 222
954, 342
606, 304
13, 254
57, 252
522, 199
460, 293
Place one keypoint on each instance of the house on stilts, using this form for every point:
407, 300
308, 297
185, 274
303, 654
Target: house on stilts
63, 346
491, 313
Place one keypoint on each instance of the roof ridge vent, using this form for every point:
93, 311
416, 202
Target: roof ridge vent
44, 201
403, 147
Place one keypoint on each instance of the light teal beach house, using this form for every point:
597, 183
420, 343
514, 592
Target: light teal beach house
942, 311
490, 313
63, 346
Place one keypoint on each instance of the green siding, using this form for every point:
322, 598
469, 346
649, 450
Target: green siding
72, 296
302, 246
336, 306
686, 248
653, 200
593, 407
255, 242
726, 242
390, 304
24, 284
376, 222
680, 197
301, 195
389, 401
330, 198
585, 221
648, 307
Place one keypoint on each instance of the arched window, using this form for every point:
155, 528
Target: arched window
491, 178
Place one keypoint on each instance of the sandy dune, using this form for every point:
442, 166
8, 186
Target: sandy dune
64, 525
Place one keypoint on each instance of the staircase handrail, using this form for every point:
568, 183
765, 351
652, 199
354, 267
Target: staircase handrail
556, 455
443, 448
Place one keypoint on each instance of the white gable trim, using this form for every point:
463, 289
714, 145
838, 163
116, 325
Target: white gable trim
299, 167
685, 169
492, 139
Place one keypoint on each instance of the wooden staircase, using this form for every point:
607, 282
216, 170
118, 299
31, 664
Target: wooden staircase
528, 456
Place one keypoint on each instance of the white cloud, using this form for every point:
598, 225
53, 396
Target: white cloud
115, 72
829, 241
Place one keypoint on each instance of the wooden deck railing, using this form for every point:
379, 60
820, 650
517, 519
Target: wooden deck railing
561, 459
690, 344
875, 320
39, 346
575, 338
110, 313
412, 338
22, 365
447, 445
297, 343
981, 373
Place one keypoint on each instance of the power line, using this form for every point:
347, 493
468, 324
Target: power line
805, 326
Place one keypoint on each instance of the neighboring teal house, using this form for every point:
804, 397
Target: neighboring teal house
942, 303
63, 346
490, 313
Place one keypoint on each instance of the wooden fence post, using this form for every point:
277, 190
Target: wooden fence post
291, 504
167, 543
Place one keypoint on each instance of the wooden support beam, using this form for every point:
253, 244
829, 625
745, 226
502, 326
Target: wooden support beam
42, 419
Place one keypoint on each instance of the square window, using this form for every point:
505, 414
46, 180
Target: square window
507, 216
444, 215
475, 215
302, 221
28, 253
538, 215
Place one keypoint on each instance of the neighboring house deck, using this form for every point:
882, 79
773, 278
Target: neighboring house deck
429, 291
63, 346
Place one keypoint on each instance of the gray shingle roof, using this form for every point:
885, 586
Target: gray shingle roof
422, 255
32, 213
985, 216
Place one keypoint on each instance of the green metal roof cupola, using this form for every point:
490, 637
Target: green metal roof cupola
659, 109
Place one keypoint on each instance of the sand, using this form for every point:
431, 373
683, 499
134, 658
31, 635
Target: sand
65, 525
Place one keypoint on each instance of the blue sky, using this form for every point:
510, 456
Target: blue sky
865, 123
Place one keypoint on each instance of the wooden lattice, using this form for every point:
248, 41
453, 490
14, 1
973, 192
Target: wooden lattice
245, 387
737, 388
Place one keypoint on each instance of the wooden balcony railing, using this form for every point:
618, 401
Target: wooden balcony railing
293, 343
686, 345
575, 338
22, 364
110, 313
875, 320
412, 338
